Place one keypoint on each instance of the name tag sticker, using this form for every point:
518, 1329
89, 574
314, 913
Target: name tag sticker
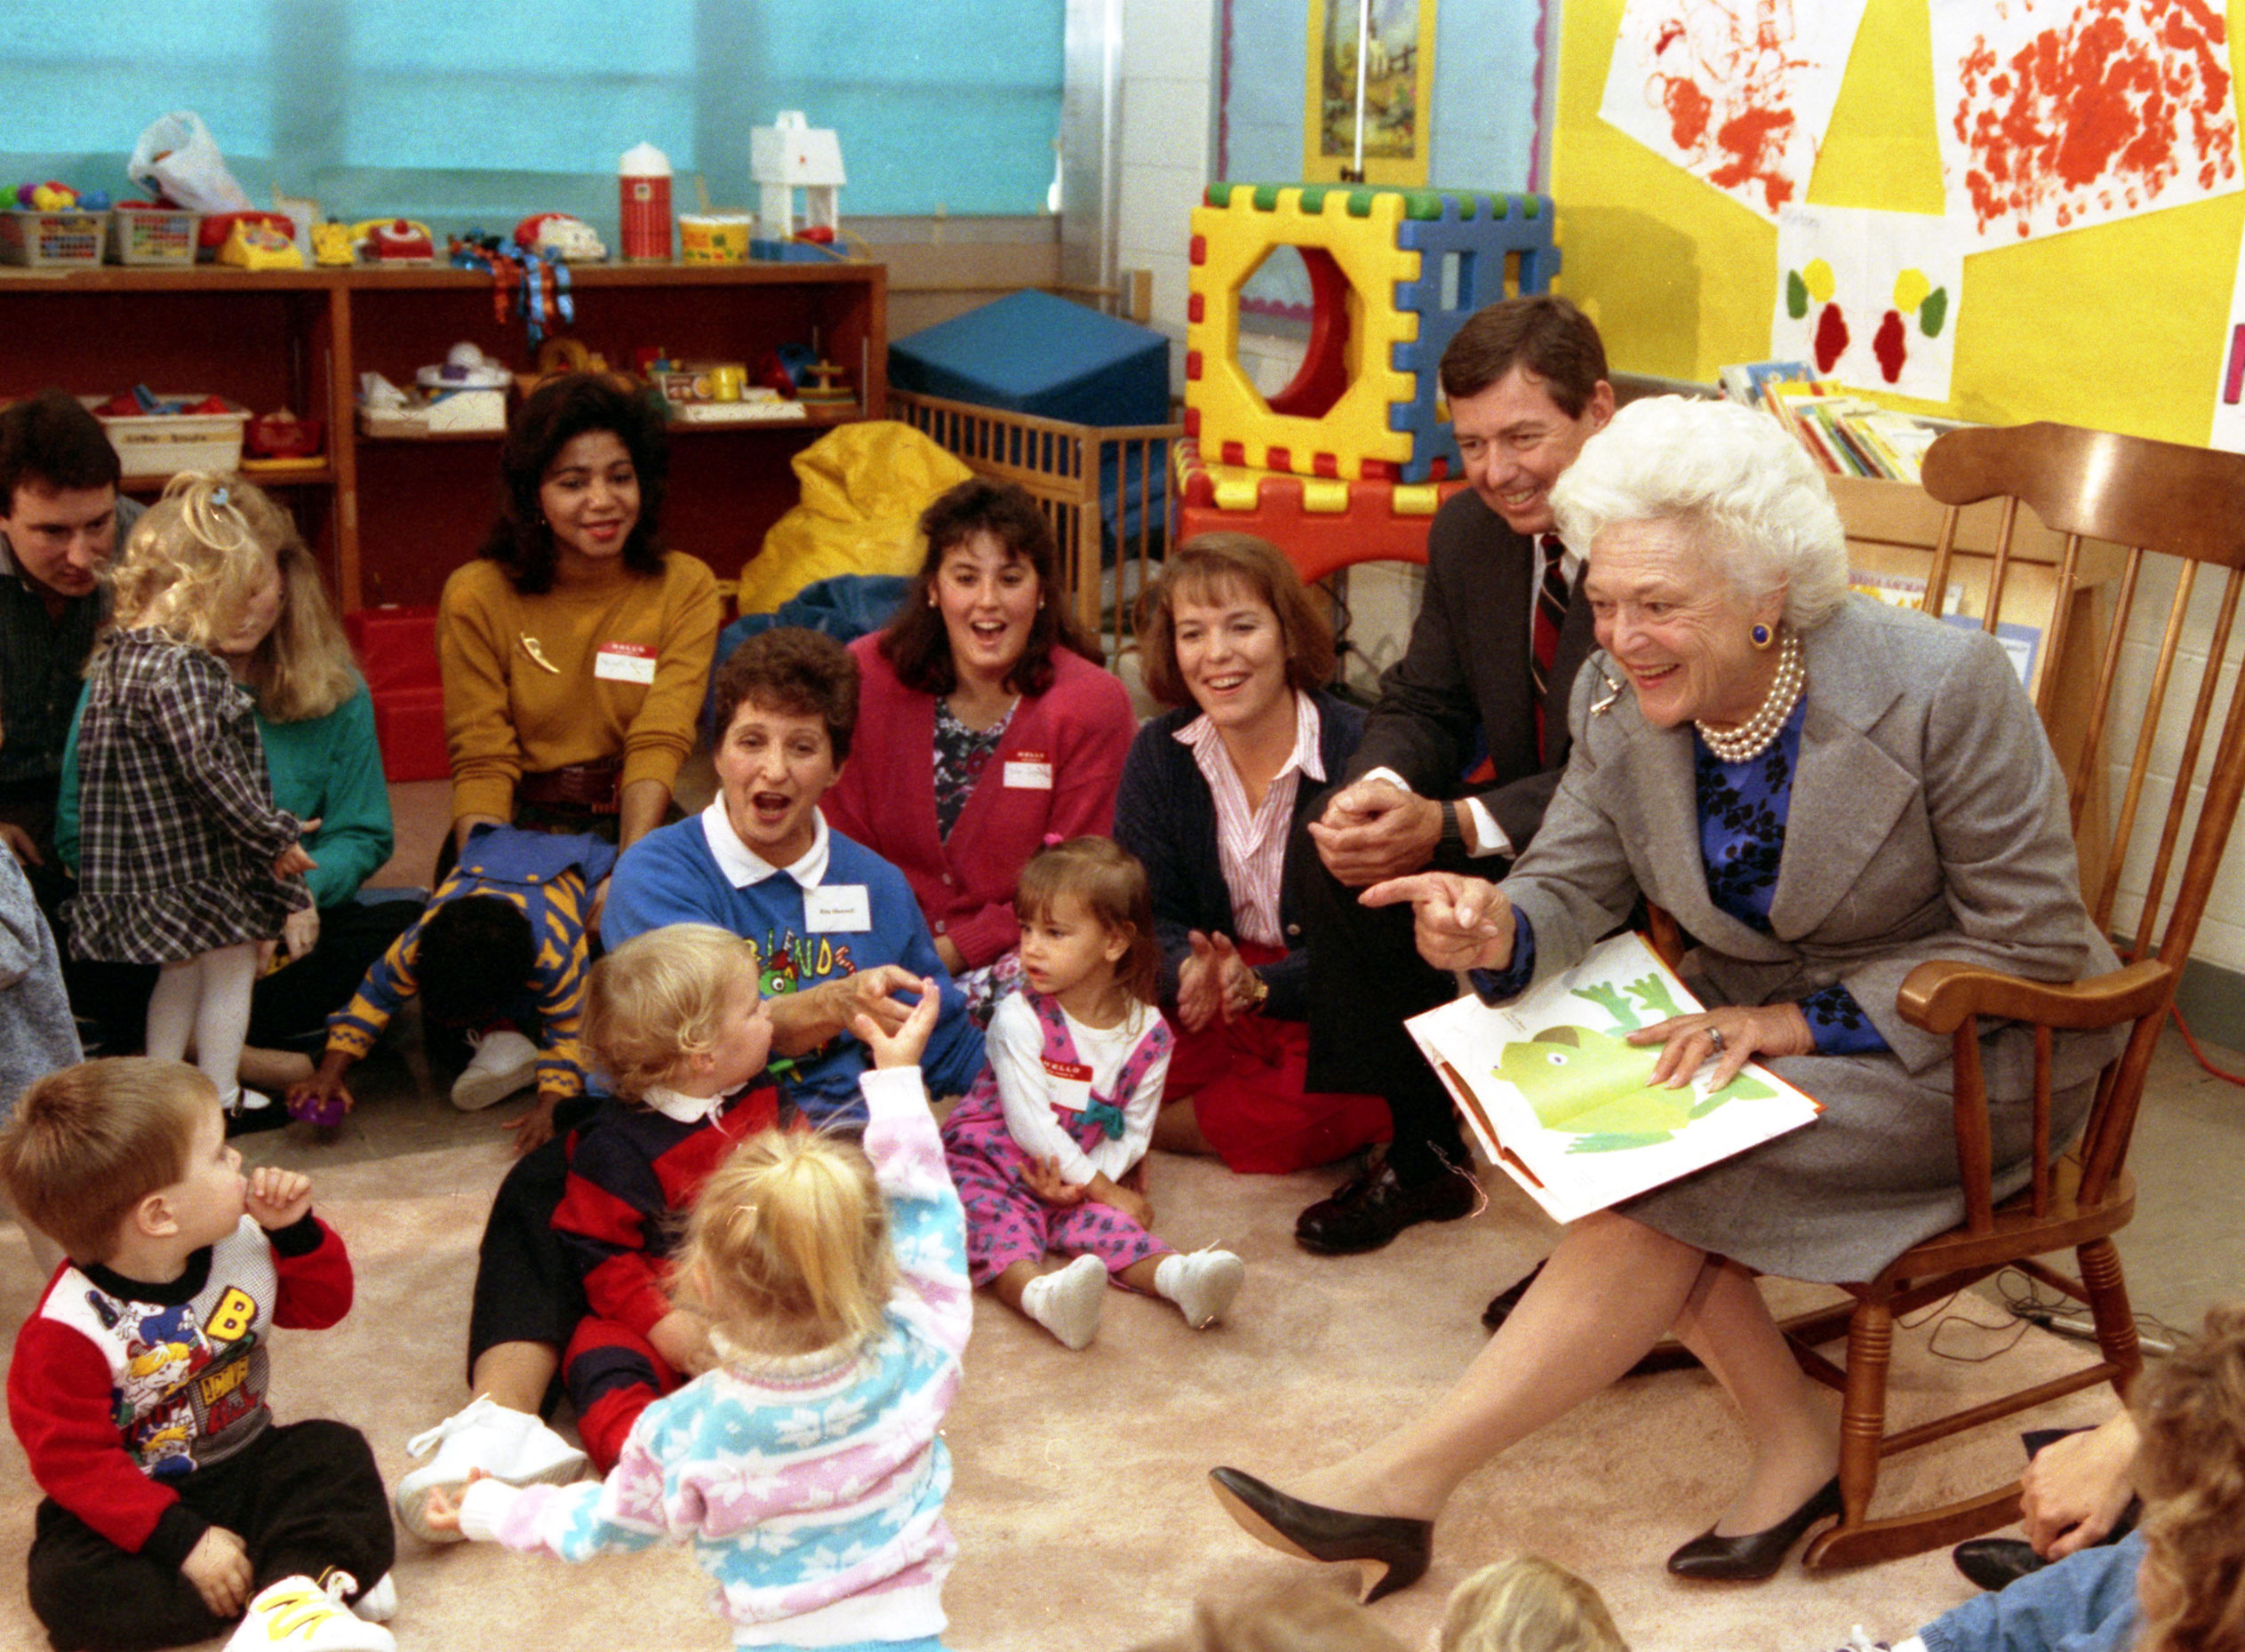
837, 909
1071, 1083
1031, 771
625, 662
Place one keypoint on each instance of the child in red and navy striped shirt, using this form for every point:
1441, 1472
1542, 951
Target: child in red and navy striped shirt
676, 1020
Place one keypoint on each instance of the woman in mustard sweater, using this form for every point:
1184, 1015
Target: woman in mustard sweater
575, 648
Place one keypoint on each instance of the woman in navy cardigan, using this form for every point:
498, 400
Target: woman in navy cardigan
985, 723
1212, 793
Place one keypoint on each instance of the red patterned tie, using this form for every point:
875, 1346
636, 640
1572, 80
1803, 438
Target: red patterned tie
1551, 615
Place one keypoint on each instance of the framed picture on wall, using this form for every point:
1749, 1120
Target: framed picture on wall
1395, 41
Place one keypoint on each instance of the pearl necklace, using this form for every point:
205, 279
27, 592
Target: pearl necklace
1753, 736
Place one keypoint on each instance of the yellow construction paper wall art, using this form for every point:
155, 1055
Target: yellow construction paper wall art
1737, 93
2120, 323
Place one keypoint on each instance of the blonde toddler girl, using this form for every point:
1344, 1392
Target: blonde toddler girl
184, 860
808, 1467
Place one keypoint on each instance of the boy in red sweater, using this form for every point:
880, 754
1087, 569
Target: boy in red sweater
138, 1387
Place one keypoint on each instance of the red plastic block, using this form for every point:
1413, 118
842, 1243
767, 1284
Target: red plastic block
1192, 421
1192, 364
1233, 454
396, 647
1318, 543
1325, 465
409, 723
1195, 307
1199, 254
1278, 458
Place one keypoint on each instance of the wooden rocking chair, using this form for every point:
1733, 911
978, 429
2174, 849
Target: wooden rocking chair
2182, 509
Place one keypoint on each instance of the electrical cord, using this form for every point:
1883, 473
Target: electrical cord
2184, 1027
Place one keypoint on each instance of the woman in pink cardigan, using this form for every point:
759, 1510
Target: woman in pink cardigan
987, 724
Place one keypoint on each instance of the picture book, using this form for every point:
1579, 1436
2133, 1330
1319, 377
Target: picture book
1558, 1096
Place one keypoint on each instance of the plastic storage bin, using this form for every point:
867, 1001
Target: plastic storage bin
158, 444
152, 237
46, 240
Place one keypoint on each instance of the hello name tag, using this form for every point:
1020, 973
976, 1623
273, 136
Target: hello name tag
1031, 771
625, 662
837, 909
1071, 1083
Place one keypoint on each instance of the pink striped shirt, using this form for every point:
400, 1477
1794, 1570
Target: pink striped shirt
1250, 845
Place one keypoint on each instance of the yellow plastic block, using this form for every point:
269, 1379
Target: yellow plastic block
1231, 240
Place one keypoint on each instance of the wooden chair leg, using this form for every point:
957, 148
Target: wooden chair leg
2107, 1292
1863, 1410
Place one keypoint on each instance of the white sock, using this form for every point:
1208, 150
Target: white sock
1201, 1284
1067, 1302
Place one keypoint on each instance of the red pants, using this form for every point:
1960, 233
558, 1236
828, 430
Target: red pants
1246, 1082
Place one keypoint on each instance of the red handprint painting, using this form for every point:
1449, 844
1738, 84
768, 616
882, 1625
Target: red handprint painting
2059, 114
1737, 93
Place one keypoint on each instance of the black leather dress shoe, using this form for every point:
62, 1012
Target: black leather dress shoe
1753, 1555
1392, 1550
1995, 1563
1501, 1305
1991, 1562
1366, 1213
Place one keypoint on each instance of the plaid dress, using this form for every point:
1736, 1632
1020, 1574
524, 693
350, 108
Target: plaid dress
179, 830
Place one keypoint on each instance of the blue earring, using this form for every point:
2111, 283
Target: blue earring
1760, 635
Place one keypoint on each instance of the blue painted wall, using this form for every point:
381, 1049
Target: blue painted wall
488, 109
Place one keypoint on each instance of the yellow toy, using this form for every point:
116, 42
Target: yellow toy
1392, 274
259, 246
331, 245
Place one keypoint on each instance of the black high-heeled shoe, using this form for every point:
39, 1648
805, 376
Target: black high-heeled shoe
1392, 1550
1752, 1556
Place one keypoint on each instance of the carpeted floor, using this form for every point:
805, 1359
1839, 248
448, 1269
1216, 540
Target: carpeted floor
1079, 1501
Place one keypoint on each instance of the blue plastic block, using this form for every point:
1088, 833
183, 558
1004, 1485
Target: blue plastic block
1482, 230
1032, 353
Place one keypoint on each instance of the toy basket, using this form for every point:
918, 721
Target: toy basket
144, 237
46, 240
158, 444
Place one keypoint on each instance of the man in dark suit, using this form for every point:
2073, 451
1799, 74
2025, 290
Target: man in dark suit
1499, 635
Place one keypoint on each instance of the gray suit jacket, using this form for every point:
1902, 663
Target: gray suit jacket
1928, 820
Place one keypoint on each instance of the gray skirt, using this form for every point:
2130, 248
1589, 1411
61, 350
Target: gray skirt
1839, 1199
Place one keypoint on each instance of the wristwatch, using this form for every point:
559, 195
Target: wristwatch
1453, 838
1262, 989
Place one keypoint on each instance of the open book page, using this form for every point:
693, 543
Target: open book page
1559, 1098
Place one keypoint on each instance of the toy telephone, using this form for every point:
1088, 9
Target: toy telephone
394, 241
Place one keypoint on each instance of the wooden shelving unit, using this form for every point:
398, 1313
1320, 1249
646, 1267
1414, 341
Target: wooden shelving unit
392, 517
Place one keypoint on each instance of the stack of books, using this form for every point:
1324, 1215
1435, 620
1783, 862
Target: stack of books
1848, 436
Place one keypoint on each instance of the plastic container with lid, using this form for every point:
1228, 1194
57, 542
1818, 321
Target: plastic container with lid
642, 185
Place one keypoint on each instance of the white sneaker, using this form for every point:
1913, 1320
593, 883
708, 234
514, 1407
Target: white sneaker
512, 1446
299, 1616
1201, 1284
504, 1063
1067, 1302
378, 1605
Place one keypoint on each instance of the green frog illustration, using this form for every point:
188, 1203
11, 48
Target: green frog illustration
1598, 1088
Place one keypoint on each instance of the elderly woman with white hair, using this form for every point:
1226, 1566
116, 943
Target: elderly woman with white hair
1825, 792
